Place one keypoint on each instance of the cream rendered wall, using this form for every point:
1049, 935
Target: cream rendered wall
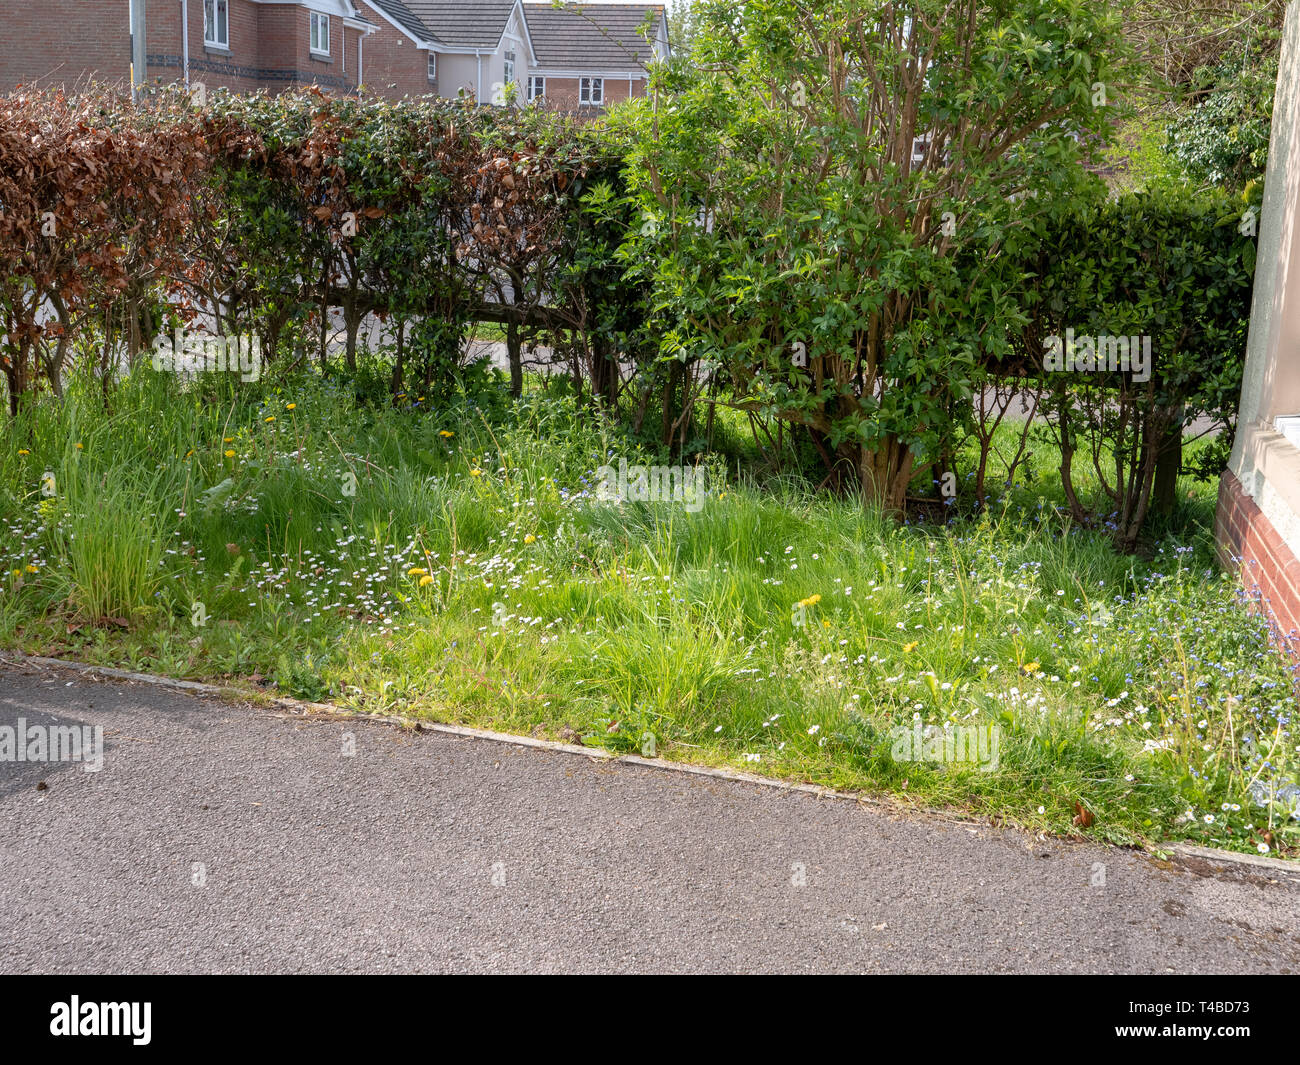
1266, 464
456, 72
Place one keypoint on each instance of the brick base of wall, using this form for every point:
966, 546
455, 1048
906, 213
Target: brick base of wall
1250, 546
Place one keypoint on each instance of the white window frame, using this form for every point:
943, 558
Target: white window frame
220, 26
591, 92
536, 87
316, 22
508, 66
432, 68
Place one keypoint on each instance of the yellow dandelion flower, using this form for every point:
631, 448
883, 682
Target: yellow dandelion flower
445, 434
1030, 668
426, 579
529, 538
23, 451
230, 454
79, 447
269, 419
33, 569
826, 624
416, 571
189, 453
476, 472
291, 406
227, 439
908, 648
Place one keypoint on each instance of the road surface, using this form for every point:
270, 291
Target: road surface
231, 839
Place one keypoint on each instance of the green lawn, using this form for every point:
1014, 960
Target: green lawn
457, 566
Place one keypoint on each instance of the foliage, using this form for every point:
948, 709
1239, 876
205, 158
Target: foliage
1223, 139
1165, 269
794, 201
94, 205
512, 598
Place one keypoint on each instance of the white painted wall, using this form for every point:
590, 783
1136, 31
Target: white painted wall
1265, 462
456, 72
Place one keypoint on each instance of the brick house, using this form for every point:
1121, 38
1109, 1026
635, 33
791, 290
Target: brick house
492, 50
236, 44
594, 59
1258, 520
576, 58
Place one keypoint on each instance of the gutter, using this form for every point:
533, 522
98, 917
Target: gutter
366, 28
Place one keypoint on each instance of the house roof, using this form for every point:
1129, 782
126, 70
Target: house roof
464, 23
591, 36
404, 17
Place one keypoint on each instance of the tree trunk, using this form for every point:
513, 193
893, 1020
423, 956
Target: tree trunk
400, 358
885, 474
352, 316
604, 374
515, 356
1169, 464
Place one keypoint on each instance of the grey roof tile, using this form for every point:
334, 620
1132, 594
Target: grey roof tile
404, 17
464, 23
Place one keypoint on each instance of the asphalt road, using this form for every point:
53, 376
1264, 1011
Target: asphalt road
224, 838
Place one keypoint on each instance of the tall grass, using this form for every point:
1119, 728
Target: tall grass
452, 565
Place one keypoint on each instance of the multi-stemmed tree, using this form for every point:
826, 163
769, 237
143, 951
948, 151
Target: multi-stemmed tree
803, 195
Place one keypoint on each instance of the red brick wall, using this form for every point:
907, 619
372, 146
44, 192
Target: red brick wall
269, 45
59, 42
1250, 546
562, 93
394, 67
211, 66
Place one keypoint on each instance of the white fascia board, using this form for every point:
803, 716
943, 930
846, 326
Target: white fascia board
518, 9
462, 49
528, 37
341, 8
621, 75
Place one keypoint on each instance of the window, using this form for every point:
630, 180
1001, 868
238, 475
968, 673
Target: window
216, 23
433, 66
320, 33
536, 87
591, 91
509, 66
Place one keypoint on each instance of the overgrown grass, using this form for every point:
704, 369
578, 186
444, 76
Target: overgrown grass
449, 566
